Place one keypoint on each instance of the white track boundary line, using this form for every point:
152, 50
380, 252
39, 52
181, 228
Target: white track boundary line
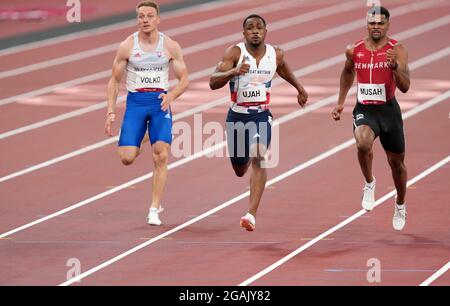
284, 5
436, 275
298, 73
275, 180
115, 27
214, 43
387, 196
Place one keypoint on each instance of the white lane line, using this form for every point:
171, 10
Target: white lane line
272, 267
298, 73
175, 31
115, 27
275, 180
205, 46
436, 275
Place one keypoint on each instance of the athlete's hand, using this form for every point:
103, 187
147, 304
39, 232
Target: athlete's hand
391, 55
242, 68
166, 100
302, 97
337, 111
110, 118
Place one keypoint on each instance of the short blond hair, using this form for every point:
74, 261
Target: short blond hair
149, 4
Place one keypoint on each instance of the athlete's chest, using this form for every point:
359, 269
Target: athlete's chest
365, 60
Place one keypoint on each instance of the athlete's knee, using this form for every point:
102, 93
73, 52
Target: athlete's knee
127, 159
397, 163
160, 158
364, 147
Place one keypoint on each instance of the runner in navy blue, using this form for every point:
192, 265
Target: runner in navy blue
249, 68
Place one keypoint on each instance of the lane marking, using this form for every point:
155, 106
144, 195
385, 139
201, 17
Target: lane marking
304, 247
436, 275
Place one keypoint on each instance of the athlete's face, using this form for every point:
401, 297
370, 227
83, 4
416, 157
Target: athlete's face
377, 26
148, 19
255, 31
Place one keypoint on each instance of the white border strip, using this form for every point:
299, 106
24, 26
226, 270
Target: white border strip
436, 275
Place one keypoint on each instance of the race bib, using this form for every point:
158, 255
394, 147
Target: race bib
252, 94
371, 92
149, 79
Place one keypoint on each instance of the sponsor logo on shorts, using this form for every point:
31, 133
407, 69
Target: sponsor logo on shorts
168, 116
359, 116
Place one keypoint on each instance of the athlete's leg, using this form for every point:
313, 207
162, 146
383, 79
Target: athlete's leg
258, 178
160, 160
365, 137
399, 174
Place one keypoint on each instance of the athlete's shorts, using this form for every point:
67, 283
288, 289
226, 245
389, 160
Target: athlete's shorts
244, 130
385, 121
143, 113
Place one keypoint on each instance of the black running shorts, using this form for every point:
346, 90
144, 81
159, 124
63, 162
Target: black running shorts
385, 121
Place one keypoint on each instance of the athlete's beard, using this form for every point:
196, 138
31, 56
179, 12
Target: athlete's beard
255, 45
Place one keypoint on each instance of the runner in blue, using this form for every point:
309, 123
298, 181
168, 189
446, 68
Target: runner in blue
146, 56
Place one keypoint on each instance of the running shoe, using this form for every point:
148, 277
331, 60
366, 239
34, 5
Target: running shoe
368, 199
399, 219
153, 216
248, 222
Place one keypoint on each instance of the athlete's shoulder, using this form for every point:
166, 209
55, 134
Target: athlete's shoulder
170, 43
278, 50
126, 47
233, 51
393, 42
350, 50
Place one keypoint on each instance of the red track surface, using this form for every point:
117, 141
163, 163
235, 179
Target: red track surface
57, 11
292, 211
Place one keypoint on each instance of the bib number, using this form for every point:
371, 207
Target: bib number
371, 92
252, 94
149, 80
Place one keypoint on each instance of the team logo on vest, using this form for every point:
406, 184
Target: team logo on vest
137, 55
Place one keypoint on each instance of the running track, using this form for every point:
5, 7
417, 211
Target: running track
296, 208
